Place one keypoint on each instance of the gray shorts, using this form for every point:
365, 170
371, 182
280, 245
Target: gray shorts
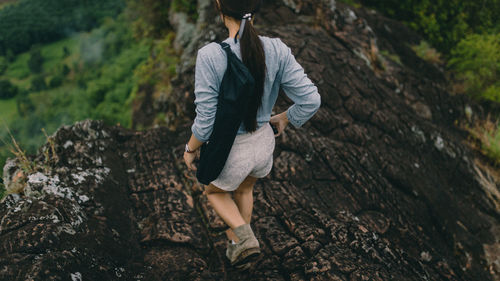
251, 154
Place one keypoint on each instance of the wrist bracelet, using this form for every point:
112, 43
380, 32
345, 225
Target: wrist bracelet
186, 149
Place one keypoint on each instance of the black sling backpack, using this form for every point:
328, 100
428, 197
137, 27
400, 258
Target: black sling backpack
234, 93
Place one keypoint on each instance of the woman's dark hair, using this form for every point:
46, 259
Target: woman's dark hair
252, 52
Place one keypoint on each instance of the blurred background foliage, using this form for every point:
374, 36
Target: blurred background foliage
443, 22
62, 61
28, 22
465, 32
464, 36
476, 59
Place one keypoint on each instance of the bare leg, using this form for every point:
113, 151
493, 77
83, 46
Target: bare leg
243, 197
224, 206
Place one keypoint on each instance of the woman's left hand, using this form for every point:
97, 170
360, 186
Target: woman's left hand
189, 158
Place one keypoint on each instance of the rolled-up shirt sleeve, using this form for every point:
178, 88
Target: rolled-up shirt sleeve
206, 91
299, 88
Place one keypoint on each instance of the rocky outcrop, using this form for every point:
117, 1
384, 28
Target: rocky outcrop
378, 185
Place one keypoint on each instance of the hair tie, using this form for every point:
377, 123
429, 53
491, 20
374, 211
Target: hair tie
246, 17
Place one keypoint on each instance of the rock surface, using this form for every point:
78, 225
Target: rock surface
378, 185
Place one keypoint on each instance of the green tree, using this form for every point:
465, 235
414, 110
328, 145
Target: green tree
443, 22
4, 63
150, 17
66, 52
476, 59
38, 83
65, 70
24, 104
35, 63
7, 89
9, 55
55, 81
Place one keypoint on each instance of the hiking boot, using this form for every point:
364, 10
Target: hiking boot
243, 265
246, 248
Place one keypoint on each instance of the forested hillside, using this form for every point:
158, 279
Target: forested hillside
29, 22
64, 61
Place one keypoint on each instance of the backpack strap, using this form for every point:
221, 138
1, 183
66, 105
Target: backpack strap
225, 46
230, 54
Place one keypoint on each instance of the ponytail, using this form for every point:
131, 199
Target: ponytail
252, 55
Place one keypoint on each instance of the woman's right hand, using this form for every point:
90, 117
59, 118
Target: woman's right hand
280, 121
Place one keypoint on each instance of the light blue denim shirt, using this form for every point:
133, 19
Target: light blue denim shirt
282, 70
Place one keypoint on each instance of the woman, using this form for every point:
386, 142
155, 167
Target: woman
251, 157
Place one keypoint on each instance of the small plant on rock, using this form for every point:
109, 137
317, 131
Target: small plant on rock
49, 159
